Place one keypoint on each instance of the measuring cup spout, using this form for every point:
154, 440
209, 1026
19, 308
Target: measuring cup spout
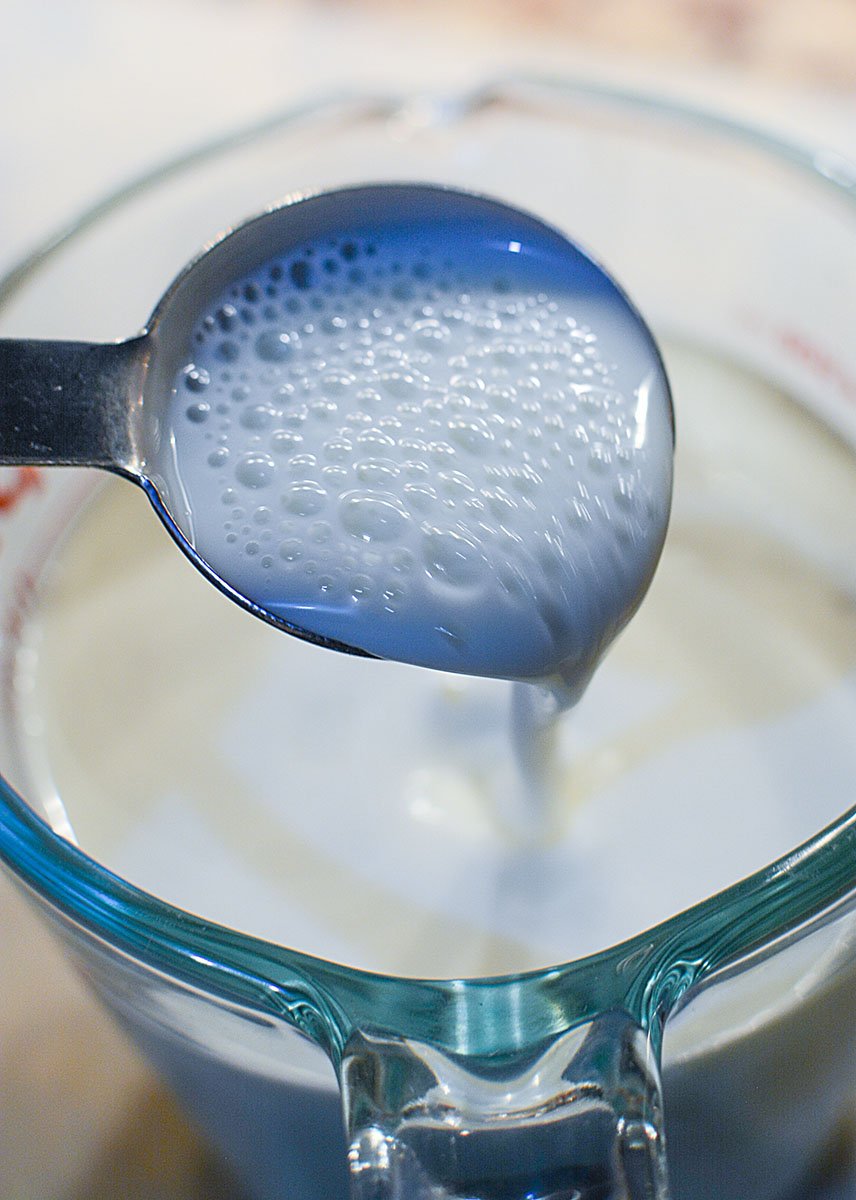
578, 1116
71, 403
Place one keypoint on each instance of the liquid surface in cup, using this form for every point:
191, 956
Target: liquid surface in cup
256, 790
438, 444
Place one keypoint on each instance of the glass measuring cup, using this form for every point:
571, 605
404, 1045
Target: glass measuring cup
216, 1009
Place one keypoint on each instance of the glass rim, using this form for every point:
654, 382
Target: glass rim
657, 966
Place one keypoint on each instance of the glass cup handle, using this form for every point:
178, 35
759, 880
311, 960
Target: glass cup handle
579, 1116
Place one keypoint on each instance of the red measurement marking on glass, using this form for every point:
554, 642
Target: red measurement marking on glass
817, 360
25, 479
799, 346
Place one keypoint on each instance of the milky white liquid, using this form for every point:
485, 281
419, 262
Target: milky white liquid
354, 809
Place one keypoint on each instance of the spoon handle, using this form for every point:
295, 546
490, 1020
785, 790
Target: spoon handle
70, 403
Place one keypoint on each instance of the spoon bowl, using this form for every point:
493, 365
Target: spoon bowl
450, 436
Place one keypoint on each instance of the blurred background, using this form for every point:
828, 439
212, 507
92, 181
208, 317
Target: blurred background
92, 92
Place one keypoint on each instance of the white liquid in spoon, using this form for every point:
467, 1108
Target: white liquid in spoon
430, 442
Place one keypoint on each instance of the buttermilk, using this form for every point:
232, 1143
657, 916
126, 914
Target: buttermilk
449, 451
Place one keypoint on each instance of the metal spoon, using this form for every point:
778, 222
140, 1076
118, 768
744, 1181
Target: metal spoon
104, 405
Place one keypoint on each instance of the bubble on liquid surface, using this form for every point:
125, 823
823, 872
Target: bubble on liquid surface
274, 345
483, 419
255, 470
373, 516
196, 379
198, 413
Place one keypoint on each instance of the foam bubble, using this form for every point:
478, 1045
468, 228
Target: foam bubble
274, 345
255, 470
